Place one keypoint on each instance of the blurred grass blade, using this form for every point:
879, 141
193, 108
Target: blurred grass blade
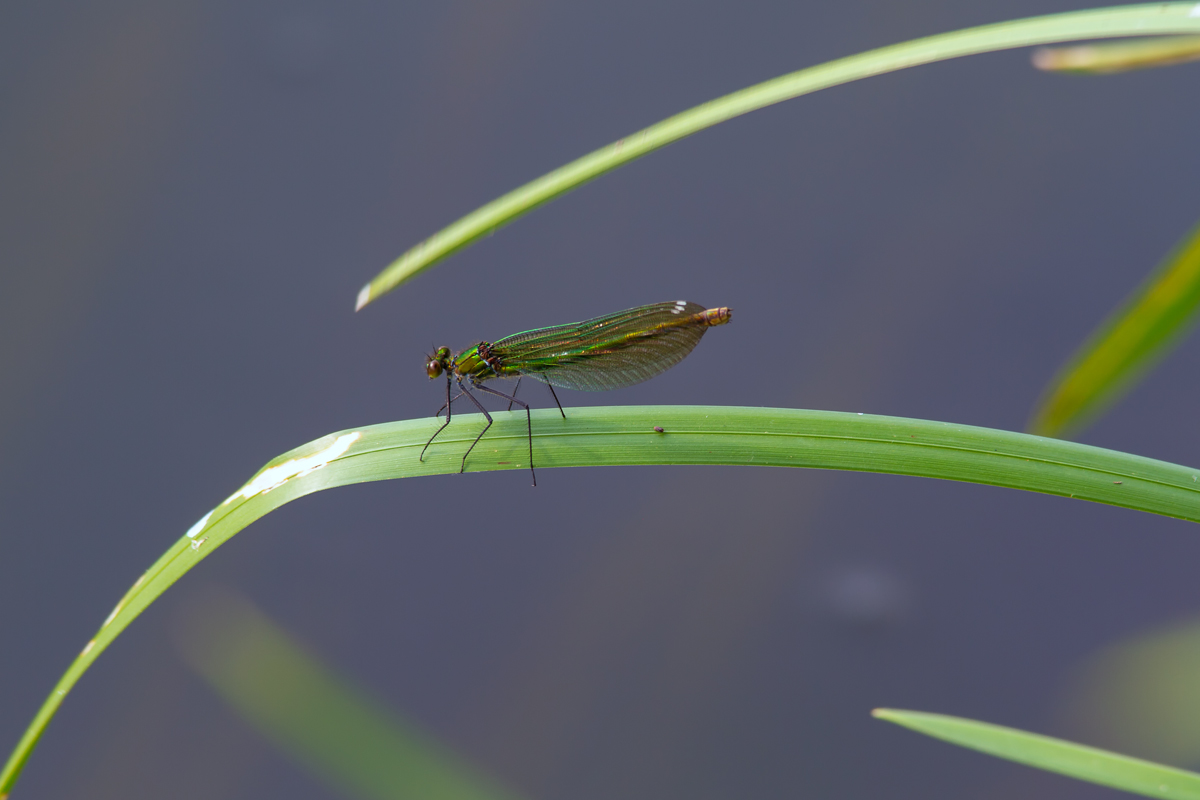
313, 716
609, 436
1108, 57
1134, 337
1053, 755
1142, 695
1151, 18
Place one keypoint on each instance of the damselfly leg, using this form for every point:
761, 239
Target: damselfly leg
528, 423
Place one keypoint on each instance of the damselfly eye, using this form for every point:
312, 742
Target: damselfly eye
442, 353
433, 368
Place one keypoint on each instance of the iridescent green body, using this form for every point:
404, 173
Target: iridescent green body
598, 354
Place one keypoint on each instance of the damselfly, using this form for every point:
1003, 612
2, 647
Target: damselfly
595, 355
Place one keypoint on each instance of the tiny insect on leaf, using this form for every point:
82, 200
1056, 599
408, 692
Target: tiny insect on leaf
595, 355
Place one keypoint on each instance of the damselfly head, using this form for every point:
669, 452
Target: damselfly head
439, 362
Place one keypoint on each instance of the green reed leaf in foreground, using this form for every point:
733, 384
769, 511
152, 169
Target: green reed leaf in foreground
1156, 18
1109, 57
315, 717
1134, 338
1053, 755
629, 435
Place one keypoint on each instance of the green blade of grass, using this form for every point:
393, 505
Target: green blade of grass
1134, 338
610, 436
1053, 755
1108, 57
1156, 18
311, 714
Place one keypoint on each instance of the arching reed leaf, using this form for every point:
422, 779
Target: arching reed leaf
1134, 338
1150, 18
650, 435
1102, 58
1053, 755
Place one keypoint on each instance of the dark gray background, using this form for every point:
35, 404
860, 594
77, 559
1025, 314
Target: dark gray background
191, 195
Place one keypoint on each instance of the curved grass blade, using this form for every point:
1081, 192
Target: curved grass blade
1109, 57
1053, 755
309, 713
1135, 20
1134, 338
627, 435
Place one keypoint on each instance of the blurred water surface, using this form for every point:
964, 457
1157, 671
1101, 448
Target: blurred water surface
192, 195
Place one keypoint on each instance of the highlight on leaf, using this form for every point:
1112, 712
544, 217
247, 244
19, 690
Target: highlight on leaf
1089, 764
1143, 330
1119, 21
1105, 58
307, 711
